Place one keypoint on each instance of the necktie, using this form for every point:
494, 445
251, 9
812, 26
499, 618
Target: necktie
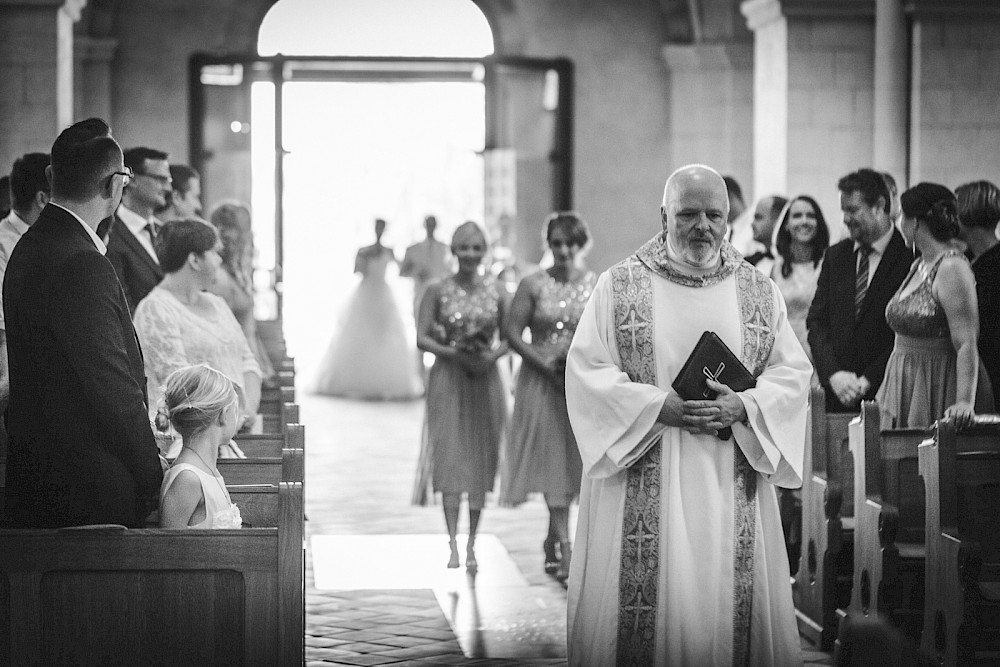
861, 282
151, 230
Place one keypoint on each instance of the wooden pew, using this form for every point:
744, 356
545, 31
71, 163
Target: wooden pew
889, 533
823, 581
113, 596
272, 406
961, 471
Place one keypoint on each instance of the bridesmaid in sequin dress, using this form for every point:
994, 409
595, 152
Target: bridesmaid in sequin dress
933, 370
466, 416
543, 456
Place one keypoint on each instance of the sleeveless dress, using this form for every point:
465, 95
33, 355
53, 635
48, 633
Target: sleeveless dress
220, 510
921, 376
543, 456
372, 356
798, 290
465, 422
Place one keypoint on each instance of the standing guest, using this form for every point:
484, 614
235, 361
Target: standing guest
678, 526
978, 217
848, 335
894, 210
133, 232
180, 323
466, 419
740, 232
801, 242
203, 406
765, 219
543, 456
81, 449
425, 262
29, 189
235, 281
184, 200
933, 371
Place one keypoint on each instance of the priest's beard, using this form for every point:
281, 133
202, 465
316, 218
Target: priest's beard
697, 256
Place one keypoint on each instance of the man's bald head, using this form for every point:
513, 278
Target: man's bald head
693, 177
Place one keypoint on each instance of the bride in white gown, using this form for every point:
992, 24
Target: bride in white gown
371, 356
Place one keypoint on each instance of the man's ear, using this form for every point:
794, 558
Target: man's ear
48, 175
41, 199
193, 259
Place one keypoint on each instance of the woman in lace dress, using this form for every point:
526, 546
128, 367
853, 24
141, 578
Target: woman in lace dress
202, 404
543, 456
371, 356
800, 243
934, 368
180, 324
466, 418
235, 281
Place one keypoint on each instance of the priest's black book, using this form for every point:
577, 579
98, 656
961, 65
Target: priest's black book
711, 358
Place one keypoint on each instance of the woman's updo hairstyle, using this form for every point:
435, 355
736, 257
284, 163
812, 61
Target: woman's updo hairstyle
571, 224
179, 238
935, 206
194, 397
467, 230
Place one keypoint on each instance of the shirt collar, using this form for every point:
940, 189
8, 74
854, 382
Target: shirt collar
880, 244
16, 221
90, 232
135, 222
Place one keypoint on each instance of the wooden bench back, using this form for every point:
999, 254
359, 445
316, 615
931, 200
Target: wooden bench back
831, 456
112, 596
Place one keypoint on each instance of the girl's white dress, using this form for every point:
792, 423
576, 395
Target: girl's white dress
220, 510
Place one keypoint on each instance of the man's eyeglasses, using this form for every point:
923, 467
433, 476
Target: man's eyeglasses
127, 176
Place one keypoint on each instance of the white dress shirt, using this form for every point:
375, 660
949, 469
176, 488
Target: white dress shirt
875, 256
137, 225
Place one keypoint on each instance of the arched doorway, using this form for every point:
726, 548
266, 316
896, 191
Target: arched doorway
323, 144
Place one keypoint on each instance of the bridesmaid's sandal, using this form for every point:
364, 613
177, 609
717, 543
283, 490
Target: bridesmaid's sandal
453, 560
471, 565
551, 558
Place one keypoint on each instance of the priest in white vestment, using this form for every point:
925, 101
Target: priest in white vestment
679, 555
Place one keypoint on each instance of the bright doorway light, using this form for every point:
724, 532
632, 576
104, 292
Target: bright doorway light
361, 150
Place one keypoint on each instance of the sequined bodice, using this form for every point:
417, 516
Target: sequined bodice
918, 314
558, 307
465, 315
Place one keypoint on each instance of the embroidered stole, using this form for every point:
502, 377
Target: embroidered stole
632, 292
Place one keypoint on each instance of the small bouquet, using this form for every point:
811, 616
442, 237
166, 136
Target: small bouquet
475, 342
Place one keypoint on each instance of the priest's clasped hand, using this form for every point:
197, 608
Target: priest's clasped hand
708, 417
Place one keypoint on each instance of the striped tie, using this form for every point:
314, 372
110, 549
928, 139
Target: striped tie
861, 282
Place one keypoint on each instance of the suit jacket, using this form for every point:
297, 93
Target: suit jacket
839, 339
136, 270
81, 450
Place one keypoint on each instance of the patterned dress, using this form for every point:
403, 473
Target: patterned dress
921, 376
466, 416
543, 456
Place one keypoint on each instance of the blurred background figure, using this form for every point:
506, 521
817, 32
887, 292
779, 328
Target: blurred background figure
425, 262
543, 455
371, 355
4, 196
765, 219
466, 411
235, 281
978, 217
800, 243
184, 200
740, 233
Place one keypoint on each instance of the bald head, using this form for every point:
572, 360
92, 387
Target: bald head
694, 213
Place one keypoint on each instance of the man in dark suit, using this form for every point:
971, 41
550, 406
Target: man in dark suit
134, 227
81, 449
849, 336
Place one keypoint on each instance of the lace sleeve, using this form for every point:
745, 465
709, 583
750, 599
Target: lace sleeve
159, 331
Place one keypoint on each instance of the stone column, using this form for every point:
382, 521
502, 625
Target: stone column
92, 77
36, 73
891, 108
712, 106
813, 95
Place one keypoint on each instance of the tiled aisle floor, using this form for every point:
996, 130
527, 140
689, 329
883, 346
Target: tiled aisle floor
377, 590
